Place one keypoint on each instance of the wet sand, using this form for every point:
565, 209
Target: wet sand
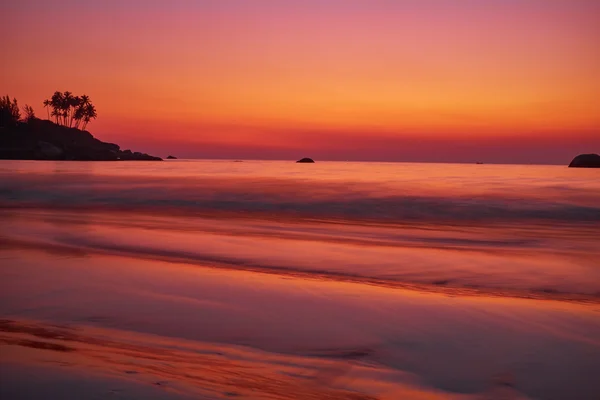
176, 329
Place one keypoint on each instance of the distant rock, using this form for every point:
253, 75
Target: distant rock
306, 160
171, 158
586, 161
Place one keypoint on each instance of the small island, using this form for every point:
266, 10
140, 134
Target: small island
26, 137
305, 160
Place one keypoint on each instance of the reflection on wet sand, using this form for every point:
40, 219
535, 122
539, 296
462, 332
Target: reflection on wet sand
509, 262
204, 369
189, 327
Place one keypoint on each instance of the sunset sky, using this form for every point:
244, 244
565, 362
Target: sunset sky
391, 80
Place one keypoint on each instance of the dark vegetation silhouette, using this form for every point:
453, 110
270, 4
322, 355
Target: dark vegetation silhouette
28, 113
69, 110
9, 112
61, 137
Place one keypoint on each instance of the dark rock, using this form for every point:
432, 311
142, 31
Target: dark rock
112, 147
306, 160
44, 140
171, 158
49, 151
586, 161
136, 156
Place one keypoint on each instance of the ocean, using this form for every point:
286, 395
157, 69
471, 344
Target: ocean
339, 279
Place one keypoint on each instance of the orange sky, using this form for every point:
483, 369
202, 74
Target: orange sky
429, 80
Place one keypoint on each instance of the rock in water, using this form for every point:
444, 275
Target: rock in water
306, 160
586, 161
171, 158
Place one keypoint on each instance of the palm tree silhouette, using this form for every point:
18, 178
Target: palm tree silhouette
66, 106
90, 113
47, 104
79, 114
57, 103
56, 114
68, 109
73, 104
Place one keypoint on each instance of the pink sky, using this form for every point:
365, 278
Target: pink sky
445, 80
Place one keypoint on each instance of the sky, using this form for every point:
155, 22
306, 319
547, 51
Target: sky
507, 81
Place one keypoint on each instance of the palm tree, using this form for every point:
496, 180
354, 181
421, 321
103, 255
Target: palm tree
57, 103
68, 109
84, 100
47, 104
73, 105
90, 113
66, 106
56, 114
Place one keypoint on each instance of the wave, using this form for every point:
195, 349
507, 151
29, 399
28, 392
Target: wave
293, 198
450, 280
523, 238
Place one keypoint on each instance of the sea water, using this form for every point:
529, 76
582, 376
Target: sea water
452, 273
